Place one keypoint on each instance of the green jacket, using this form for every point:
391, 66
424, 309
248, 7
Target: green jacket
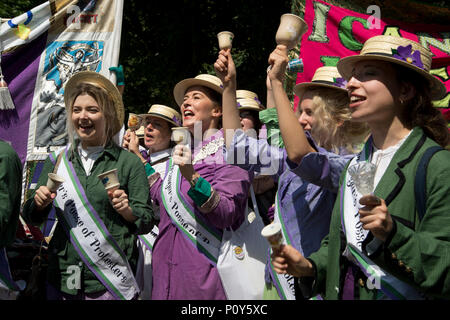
132, 180
10, 193
417, 252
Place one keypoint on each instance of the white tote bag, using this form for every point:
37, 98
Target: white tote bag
242, 259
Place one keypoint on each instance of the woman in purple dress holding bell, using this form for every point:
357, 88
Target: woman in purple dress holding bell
199, 197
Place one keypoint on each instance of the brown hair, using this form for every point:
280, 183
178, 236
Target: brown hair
419, 111
105, 103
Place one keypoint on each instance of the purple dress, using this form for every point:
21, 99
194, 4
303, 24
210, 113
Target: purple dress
180, 271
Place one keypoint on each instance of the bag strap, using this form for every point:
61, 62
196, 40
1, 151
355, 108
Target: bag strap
253, 197
420, 180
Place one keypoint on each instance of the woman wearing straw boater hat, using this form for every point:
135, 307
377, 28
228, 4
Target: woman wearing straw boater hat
249, 107
308, 172
92, 252
264, 187
390, 239
156, 133
157, 124
199, 197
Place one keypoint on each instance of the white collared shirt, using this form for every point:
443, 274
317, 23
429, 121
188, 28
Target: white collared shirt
88, 156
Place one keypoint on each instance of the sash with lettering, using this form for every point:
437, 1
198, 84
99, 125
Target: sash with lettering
284, 283
390, 287
8, 287
148, 240
202, 236
90, 237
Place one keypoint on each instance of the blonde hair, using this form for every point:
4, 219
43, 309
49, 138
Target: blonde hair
333, 128
105, 103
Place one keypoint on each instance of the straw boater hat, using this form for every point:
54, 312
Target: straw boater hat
326, 77
97, 80
401, 51
246, 94
205, 80
164, 112
248, 104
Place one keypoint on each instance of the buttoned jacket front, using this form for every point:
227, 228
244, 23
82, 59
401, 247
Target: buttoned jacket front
417, 252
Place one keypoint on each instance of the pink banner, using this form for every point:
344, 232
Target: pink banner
335, 32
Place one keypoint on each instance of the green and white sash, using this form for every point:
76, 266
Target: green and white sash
90, 237
284, 283
202, 236
390, 286
148, 240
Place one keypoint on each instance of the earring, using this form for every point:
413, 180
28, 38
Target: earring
401, 100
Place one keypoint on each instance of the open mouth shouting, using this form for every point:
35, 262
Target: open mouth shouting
356, 100
187, 114
86, 128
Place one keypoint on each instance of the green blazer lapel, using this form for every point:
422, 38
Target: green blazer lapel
393, 179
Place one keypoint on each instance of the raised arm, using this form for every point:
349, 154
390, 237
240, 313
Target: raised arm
294, 137
270, 103
226, 71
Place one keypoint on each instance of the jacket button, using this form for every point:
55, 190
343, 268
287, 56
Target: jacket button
408, 269
361, 282
394, 256
401, 264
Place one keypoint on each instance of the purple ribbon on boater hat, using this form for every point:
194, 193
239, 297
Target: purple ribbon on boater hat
406, 54
177, 121
340, 82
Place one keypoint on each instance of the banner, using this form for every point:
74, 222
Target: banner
41, 50
335, 32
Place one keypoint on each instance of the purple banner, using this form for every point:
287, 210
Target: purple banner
20, 69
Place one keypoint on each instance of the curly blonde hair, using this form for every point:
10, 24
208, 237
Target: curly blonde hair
333, 128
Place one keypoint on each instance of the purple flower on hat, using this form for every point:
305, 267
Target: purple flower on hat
238, 104
340, 82
406, 54
175, 119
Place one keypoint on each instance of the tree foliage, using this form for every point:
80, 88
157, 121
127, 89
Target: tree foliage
164, 42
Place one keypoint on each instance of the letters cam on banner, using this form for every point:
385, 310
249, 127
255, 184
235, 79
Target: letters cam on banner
41, 49
335, 31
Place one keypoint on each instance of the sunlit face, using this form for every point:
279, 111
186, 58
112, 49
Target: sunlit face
306, 111
374, 91
89, 121
197, 106
157, 134
247, 120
